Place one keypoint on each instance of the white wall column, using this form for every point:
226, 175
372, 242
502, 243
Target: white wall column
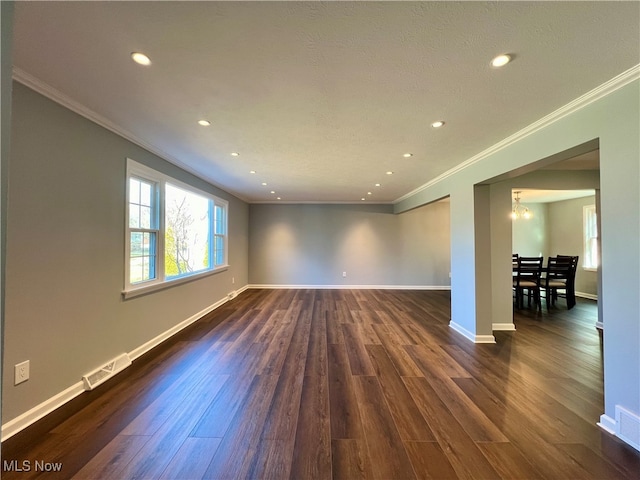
501, 248
470, 264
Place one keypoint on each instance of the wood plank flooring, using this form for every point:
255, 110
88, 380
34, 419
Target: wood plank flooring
342, 384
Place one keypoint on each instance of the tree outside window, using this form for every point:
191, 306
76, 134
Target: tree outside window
173, 230
187, 232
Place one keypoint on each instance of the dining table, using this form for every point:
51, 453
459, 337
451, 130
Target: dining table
570, 294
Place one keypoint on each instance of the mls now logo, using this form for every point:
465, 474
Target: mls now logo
27, 466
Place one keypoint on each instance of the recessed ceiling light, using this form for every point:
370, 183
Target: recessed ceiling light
278, 198
368, 193
273, 191
437, 124
140, 58
377, 185
389, 173
252, 172
235, 154
204, 123
407, 155
500, 60
362, 198
264, 184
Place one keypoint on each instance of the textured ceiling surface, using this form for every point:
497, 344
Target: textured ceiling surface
322, 99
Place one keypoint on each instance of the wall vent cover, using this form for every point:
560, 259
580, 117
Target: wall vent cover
628, 426
100, 375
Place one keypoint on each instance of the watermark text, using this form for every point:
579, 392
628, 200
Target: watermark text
29, 466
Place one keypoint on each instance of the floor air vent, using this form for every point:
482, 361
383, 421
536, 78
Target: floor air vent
104, 373
628, 427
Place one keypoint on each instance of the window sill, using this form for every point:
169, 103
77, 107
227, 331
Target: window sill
143, 290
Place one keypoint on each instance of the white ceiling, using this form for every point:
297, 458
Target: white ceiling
321, 99
530, 195
586, 161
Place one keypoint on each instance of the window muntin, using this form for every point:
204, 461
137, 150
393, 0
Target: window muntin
141, 203
174, 230
143, 231
590, 224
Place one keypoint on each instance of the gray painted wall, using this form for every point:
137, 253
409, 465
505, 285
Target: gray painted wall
530, 238
502, 225
566, 238
6, 38
313, 244
65, 253
612, 120
556, 229
66, 213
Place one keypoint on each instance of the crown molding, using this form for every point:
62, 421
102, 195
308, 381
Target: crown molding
594, 95
316, 202
57, 96
597, 93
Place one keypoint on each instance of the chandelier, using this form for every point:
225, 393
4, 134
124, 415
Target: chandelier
518, 210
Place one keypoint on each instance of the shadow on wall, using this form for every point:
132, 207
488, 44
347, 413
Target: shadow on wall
348, 245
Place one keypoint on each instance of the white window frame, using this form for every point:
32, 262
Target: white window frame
590, 223
159, 179
155, 228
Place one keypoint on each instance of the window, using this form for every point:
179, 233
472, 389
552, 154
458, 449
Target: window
187, 232
590, 223
143, 230
174, 231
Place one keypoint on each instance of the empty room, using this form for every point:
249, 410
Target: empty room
271, 240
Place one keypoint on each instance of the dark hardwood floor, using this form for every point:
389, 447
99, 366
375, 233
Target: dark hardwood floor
348, 384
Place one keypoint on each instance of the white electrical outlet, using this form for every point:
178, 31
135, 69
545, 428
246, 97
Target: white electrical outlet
344, 274
21, 372
233, 280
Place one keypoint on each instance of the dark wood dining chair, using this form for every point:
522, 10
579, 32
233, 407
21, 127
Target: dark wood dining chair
570, 292
557, 278
528, 278
514, 270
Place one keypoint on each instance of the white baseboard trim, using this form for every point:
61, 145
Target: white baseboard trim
504, 327
607, 423
142, 349
29, 417
590, 296
471, 336
39, 411
614, 427
350, 287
